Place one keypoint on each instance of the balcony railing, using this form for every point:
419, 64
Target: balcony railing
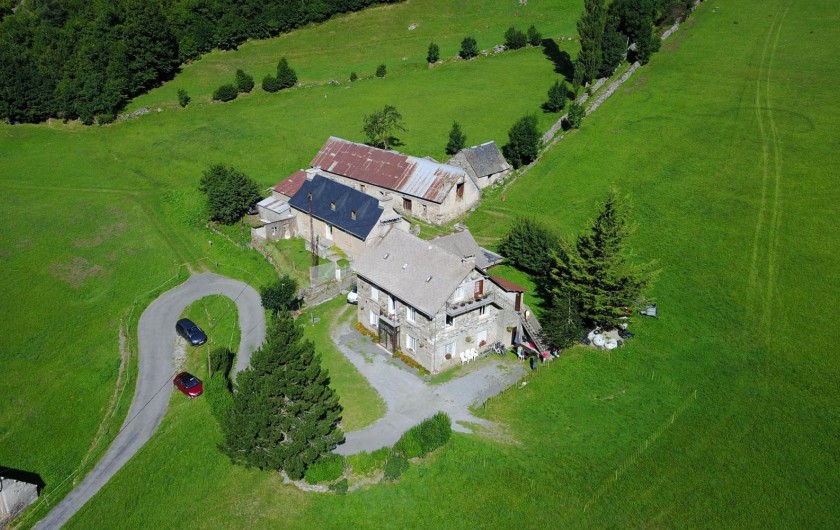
465, 306
390, 318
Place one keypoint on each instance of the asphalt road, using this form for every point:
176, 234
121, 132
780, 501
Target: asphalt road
156, 339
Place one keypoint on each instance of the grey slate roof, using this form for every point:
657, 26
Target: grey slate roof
486, 159
326, 193
402, 264
462, 244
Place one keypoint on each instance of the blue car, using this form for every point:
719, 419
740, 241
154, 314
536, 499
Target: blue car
190, 331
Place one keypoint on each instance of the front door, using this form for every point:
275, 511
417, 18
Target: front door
387, 336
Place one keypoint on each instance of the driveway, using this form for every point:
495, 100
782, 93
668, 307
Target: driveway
408, 399
156, 339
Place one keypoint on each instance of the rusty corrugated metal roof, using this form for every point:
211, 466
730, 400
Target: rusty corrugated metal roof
292, 184
404, 174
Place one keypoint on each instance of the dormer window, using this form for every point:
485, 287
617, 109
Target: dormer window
353, 215
332, 206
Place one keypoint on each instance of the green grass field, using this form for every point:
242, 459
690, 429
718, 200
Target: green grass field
722, 413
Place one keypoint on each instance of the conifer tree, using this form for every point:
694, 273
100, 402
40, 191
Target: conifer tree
244, 82
434, 53
523, 142
457, 140
591, 30
534, 36
595, 273
286, 76
284, 413
557, 96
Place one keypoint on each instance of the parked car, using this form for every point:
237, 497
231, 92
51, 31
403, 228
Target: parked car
189, 384
353, 295
190, 331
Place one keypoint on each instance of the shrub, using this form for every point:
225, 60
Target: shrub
515, 39
380, 70
435, 432
244, 82
270, 84
105, 118
225, 93
281, 294
221, 361
368, 463
411, 362
409, 445
183, 97
434, 53
353, 77
534, 36
218, 395
368, 333
469, 48
340, 487
395, 466
326, 469
576, 115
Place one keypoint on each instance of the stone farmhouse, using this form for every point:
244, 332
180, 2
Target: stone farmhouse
340, 215
484, 163
432, 302
433, 192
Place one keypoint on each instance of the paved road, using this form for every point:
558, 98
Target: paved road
156, 338
408, 399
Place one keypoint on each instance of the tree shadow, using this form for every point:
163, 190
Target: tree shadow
562, 60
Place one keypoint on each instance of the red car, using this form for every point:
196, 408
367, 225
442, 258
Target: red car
188, 384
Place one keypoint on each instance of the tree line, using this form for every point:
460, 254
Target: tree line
72, 59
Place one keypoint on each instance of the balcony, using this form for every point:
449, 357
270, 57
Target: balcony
389, 318
470, 304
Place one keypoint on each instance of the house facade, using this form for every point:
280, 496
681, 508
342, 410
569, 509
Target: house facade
484, 163
430, 303
428, 190
341, 216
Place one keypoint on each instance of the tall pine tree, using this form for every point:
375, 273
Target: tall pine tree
286, 76
595, 273
457, 139
591, 30
284, 413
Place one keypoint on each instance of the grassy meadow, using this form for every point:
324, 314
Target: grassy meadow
100, 220
721, 413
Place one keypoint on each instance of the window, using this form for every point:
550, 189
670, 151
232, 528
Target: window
481, 337
274, 230
425, 209
332, 206
459, 190
478, 288
374, 319
410, 314
410, 343
328, 231
459, 294
374, 293
407, 205
449, 349
450, 321
362, 188
482, 311
392, 305
353, 214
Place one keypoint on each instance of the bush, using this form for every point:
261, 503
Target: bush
280, 295
270, 84
534, 36
435, 432
340, 487
380, 70
576, 115
433, 55
395, 466
368, 463
244, 82
469, 48
183, 97
326, 469
225, 93
108, 117
409, 445
353, 77
515, 39
218, 395
221, 361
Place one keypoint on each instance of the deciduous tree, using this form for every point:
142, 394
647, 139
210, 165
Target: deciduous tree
229, 193
280, 295
558, 94
576, 115
523, 142
591, 30
380, 126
